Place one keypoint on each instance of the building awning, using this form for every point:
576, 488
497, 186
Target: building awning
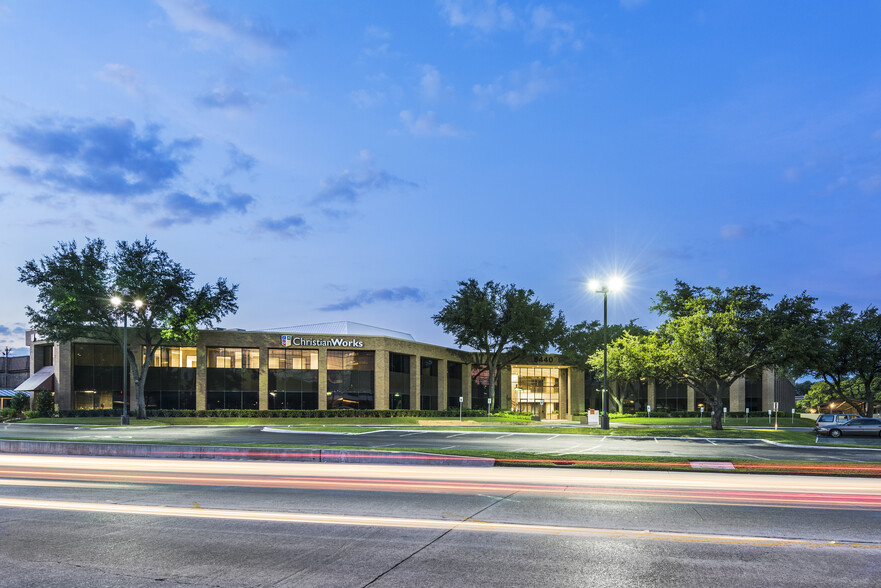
37, 381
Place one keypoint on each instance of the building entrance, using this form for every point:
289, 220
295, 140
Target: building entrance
536, 390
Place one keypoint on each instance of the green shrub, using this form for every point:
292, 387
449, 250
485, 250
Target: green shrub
45, 403
31, 414
20, 401
8, 413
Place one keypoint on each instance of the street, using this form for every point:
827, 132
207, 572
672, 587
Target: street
139, 522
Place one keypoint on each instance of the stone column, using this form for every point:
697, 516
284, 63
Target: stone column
768, 378
415, 377
63, 358
652, 389
737, 395
381, 380
263, 379
442, 392
322, 378
577, 392
466, 386
563, 405
505, 402
690, 403
201, 377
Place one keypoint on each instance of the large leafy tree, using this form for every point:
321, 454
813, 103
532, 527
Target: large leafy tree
582, 345
714, 336
849, 356
502, 323
74, 288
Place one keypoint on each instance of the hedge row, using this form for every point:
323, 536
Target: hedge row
296, 414
690, 414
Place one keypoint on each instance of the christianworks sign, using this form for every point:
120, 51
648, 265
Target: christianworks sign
291, 340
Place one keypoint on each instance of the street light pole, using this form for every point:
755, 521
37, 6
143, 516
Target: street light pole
118, 301
604, 417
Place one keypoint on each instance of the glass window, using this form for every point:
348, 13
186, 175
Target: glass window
293, 379
171, 380
232, 378
350, 379
428, 383
454, 384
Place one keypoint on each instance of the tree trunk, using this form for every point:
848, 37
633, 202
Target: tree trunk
492, 384
718, 411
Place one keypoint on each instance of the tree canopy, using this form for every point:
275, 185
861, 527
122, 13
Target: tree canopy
74, 288
501, 323
714, 336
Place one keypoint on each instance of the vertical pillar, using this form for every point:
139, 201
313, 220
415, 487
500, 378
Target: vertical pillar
577, 392
466, 386
768, 377
689, 402
322, 378
651, 395
201, 377
563, 396
505, 401
442, 391
737, 395
63, 358
263, 379
415, 376
381, 380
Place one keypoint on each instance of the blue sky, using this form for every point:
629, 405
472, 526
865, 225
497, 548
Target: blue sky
346, 160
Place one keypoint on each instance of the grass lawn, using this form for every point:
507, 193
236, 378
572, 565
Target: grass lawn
337, 421
758, 420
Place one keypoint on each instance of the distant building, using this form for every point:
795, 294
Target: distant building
344, 365
13, 371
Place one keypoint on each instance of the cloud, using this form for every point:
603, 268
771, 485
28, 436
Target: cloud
430, 82
731, 232
224, 98
14, 329
363, 297
734, 232
199, 17
427, 125
485, 16
122, 76
238, 160
99, 157
338, 194
520, 87
290, 226
368, 98
870, 185
183, 209
545, 24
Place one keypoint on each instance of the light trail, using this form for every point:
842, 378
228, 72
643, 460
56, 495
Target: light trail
416, 523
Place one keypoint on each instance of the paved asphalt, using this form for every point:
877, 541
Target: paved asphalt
484, 439
102, 522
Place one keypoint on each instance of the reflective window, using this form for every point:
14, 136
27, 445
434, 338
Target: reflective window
428, 383
171, 381
97, 376
454, 384
535, 390
232, 379
293, 379
350, 379
399, 381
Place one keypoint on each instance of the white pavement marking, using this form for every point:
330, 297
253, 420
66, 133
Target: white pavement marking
416, 523
757, 456
589, 449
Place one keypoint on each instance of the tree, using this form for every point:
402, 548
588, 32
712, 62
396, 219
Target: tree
582, 345
849, 357
714, 336
74, 288
501, 323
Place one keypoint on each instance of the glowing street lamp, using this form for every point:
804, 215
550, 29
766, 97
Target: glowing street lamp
137, 304
612, 284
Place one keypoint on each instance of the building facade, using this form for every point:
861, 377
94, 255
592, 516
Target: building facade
335, 366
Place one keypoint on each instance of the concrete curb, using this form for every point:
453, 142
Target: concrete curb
238, 453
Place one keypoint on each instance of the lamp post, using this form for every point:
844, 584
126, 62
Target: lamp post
119, 302
612, 284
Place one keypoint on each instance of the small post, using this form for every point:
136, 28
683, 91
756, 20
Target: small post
461, 400
793, 416
747, 416
648, 409
724, 413
541, 408
489, 402
776, 415
769, 416
701, 422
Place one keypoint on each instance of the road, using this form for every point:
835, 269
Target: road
77, 521
484, 439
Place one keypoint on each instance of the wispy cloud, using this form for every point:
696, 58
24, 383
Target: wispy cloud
364, 297
201, 18
518, 88
368, 98
290, 226
427, 124
238, 160
99, 157
122, 76
339, 194
14, 329
544, 23
485, 16
225, 98
733, 232
180, 208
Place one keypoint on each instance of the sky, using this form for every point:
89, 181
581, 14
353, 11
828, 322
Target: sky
355, 160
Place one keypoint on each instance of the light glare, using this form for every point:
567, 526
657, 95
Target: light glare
616, 284
116, 301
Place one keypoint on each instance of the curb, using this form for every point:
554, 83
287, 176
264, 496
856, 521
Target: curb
238, 453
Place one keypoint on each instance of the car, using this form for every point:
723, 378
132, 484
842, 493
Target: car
857, 427
832, 419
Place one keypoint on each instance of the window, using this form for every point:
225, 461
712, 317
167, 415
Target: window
454, 384
350, 379
399, 381
293, 379
171, 381
233, 378
428, 383
97, 376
